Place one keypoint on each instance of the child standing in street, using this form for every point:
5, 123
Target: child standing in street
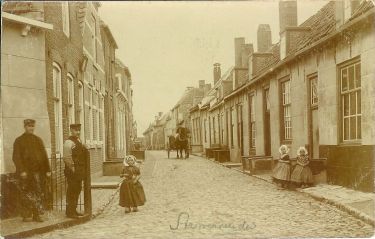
131, 191
281, 173
302, 175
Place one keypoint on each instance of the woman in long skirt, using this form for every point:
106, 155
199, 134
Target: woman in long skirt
302, 175
131, 191
281, 173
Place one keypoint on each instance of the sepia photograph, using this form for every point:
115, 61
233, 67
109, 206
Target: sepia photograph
187, 119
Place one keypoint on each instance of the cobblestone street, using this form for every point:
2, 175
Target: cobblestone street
197, 198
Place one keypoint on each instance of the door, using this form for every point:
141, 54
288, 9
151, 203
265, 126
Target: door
267, 124
314, 117
314, 133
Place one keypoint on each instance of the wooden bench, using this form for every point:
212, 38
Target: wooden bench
257, 162
222, 155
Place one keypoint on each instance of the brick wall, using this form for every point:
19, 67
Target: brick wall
67, 53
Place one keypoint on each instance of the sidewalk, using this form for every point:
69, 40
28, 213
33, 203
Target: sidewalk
104, 188
357, 203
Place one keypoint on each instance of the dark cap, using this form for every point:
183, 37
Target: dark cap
75, 126
28, 122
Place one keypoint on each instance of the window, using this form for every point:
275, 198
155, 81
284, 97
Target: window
314, 91
231, 126
214, 129
80, 113
205, 130
350, 79
239, 125
286, 106
57, 108
252, 120
267, 98
222, 128
101, 118
93, 38
94, 116
70, 99
65, 18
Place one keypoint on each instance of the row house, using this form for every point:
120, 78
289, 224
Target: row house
165, 125
64, 77
23, 46
93, 82
112, 147
120, 108
69, 76
313, 88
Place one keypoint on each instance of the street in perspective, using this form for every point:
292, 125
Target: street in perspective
192, 119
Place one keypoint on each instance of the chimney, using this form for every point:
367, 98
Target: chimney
257, 62
247, 50
264, 37
201, 84
289, 39
344, 10
287, 14
238, 42
217, 72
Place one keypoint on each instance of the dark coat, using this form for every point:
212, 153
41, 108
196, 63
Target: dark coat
30, 155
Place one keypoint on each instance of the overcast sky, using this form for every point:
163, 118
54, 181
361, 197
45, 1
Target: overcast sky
171, 45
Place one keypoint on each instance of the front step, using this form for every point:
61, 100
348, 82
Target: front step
232, 165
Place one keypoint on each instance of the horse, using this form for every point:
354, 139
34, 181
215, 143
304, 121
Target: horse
182, 142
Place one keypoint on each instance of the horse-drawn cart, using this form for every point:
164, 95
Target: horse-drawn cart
179, 142
171, 144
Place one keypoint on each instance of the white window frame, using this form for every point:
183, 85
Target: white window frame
101, 119
94, 39
57, 97
356, 91
252, 121
81, 107
314, 98
286, 109
65, 17
71, 108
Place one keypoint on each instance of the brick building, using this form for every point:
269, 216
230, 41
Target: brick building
94, 85
109, 48
64, 77
123, 109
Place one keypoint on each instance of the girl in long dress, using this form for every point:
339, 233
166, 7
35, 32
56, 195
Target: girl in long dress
281, 173
131, 191
302, 175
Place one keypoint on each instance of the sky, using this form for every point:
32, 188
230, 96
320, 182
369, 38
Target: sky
169, 46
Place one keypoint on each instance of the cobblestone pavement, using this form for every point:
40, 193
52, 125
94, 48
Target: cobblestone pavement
196, 198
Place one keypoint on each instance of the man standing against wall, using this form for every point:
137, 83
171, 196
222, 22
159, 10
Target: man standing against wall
75, 159
32, 167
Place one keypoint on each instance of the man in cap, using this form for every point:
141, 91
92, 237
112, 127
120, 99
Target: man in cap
75, 159
32, 168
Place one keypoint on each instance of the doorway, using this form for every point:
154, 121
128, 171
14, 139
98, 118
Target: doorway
313, 117
267, 123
